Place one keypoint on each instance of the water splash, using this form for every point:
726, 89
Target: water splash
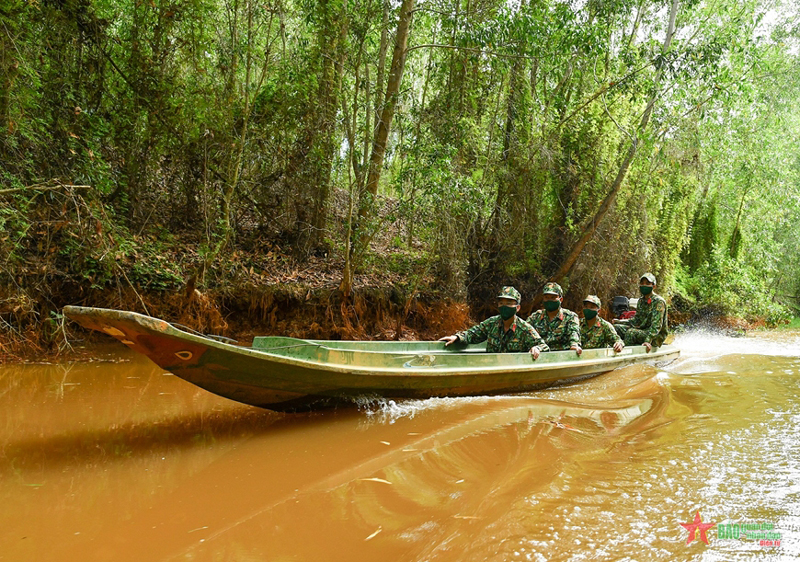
386, 411
715, 343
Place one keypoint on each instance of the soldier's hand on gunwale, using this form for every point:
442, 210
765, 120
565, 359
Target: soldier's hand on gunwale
535, 351
449, 339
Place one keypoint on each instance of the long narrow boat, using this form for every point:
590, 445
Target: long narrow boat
288, 374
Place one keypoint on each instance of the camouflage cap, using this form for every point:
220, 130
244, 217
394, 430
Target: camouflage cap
552, 289
593, 299
649, 276
509, 293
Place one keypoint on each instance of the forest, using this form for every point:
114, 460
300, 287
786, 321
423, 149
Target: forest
378, 168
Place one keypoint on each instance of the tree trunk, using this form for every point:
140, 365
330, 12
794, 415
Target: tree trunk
382, 128
309, 174
507, 178
589, 229
9, 68
231, 185
736, 234
417, 139
329, 97
389, 104
384, 47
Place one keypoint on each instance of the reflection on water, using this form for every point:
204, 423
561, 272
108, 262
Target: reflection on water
115, 460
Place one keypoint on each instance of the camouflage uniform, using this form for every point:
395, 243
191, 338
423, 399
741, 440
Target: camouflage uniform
601, 334
563, 331
560, 333
648, 325
520, 337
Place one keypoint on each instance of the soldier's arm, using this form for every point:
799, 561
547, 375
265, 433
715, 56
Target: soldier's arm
476, 334
656, 320
611, 337
574, 331
535, 340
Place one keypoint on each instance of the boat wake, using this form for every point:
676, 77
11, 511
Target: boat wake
702, 351
387, 411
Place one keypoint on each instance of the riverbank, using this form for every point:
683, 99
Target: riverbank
291, 310
260, 288
297, 309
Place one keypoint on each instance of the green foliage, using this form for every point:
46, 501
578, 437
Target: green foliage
703, 237
735, 245
729, 287
794, 323
221, 120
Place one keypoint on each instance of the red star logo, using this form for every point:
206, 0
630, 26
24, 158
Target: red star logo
697, 525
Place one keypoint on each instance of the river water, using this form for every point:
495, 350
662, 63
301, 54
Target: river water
115, 460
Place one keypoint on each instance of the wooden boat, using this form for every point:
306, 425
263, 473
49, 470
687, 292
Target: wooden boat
288, 374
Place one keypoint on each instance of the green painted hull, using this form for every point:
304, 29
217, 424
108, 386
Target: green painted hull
288, 374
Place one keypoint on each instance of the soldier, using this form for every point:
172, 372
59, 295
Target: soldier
649, 326
505, 332
558, 326
596, 332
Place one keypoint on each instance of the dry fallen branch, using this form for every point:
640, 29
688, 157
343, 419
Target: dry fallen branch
52, 185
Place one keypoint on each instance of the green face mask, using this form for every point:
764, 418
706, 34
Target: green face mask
551, 306
507, 312
589, 313
645, 289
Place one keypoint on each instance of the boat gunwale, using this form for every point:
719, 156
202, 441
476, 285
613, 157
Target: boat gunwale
422, 371
572, 362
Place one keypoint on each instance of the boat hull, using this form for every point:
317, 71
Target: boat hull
287, 374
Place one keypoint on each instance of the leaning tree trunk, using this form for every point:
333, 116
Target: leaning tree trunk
366, 204
590, 228
736, 235
389, 105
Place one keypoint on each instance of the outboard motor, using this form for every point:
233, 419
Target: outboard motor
619, 305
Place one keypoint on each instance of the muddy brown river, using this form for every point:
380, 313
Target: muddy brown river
114, 459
